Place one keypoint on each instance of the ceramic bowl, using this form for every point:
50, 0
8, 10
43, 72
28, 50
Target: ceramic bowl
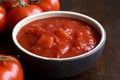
61, 67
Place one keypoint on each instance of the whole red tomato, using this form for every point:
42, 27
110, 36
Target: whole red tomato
20, 12
9, 4
48, 5
2, 19
10, 68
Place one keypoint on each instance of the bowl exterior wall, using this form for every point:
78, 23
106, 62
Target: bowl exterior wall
60, 69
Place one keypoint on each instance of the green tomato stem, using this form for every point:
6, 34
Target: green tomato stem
21, 3
5, 58
35, 1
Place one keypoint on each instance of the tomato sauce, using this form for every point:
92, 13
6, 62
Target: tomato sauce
58, 37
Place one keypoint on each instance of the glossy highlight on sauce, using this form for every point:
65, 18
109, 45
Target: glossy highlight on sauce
58, 37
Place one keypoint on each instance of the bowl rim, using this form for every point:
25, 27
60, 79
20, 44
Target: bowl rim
100, 44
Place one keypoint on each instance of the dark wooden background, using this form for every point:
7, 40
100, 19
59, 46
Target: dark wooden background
107, 67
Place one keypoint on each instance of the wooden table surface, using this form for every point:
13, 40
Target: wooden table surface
107, 67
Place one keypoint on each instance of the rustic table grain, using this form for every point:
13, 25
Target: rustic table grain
107, 67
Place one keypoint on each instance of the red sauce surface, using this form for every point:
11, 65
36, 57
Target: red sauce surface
58, 37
